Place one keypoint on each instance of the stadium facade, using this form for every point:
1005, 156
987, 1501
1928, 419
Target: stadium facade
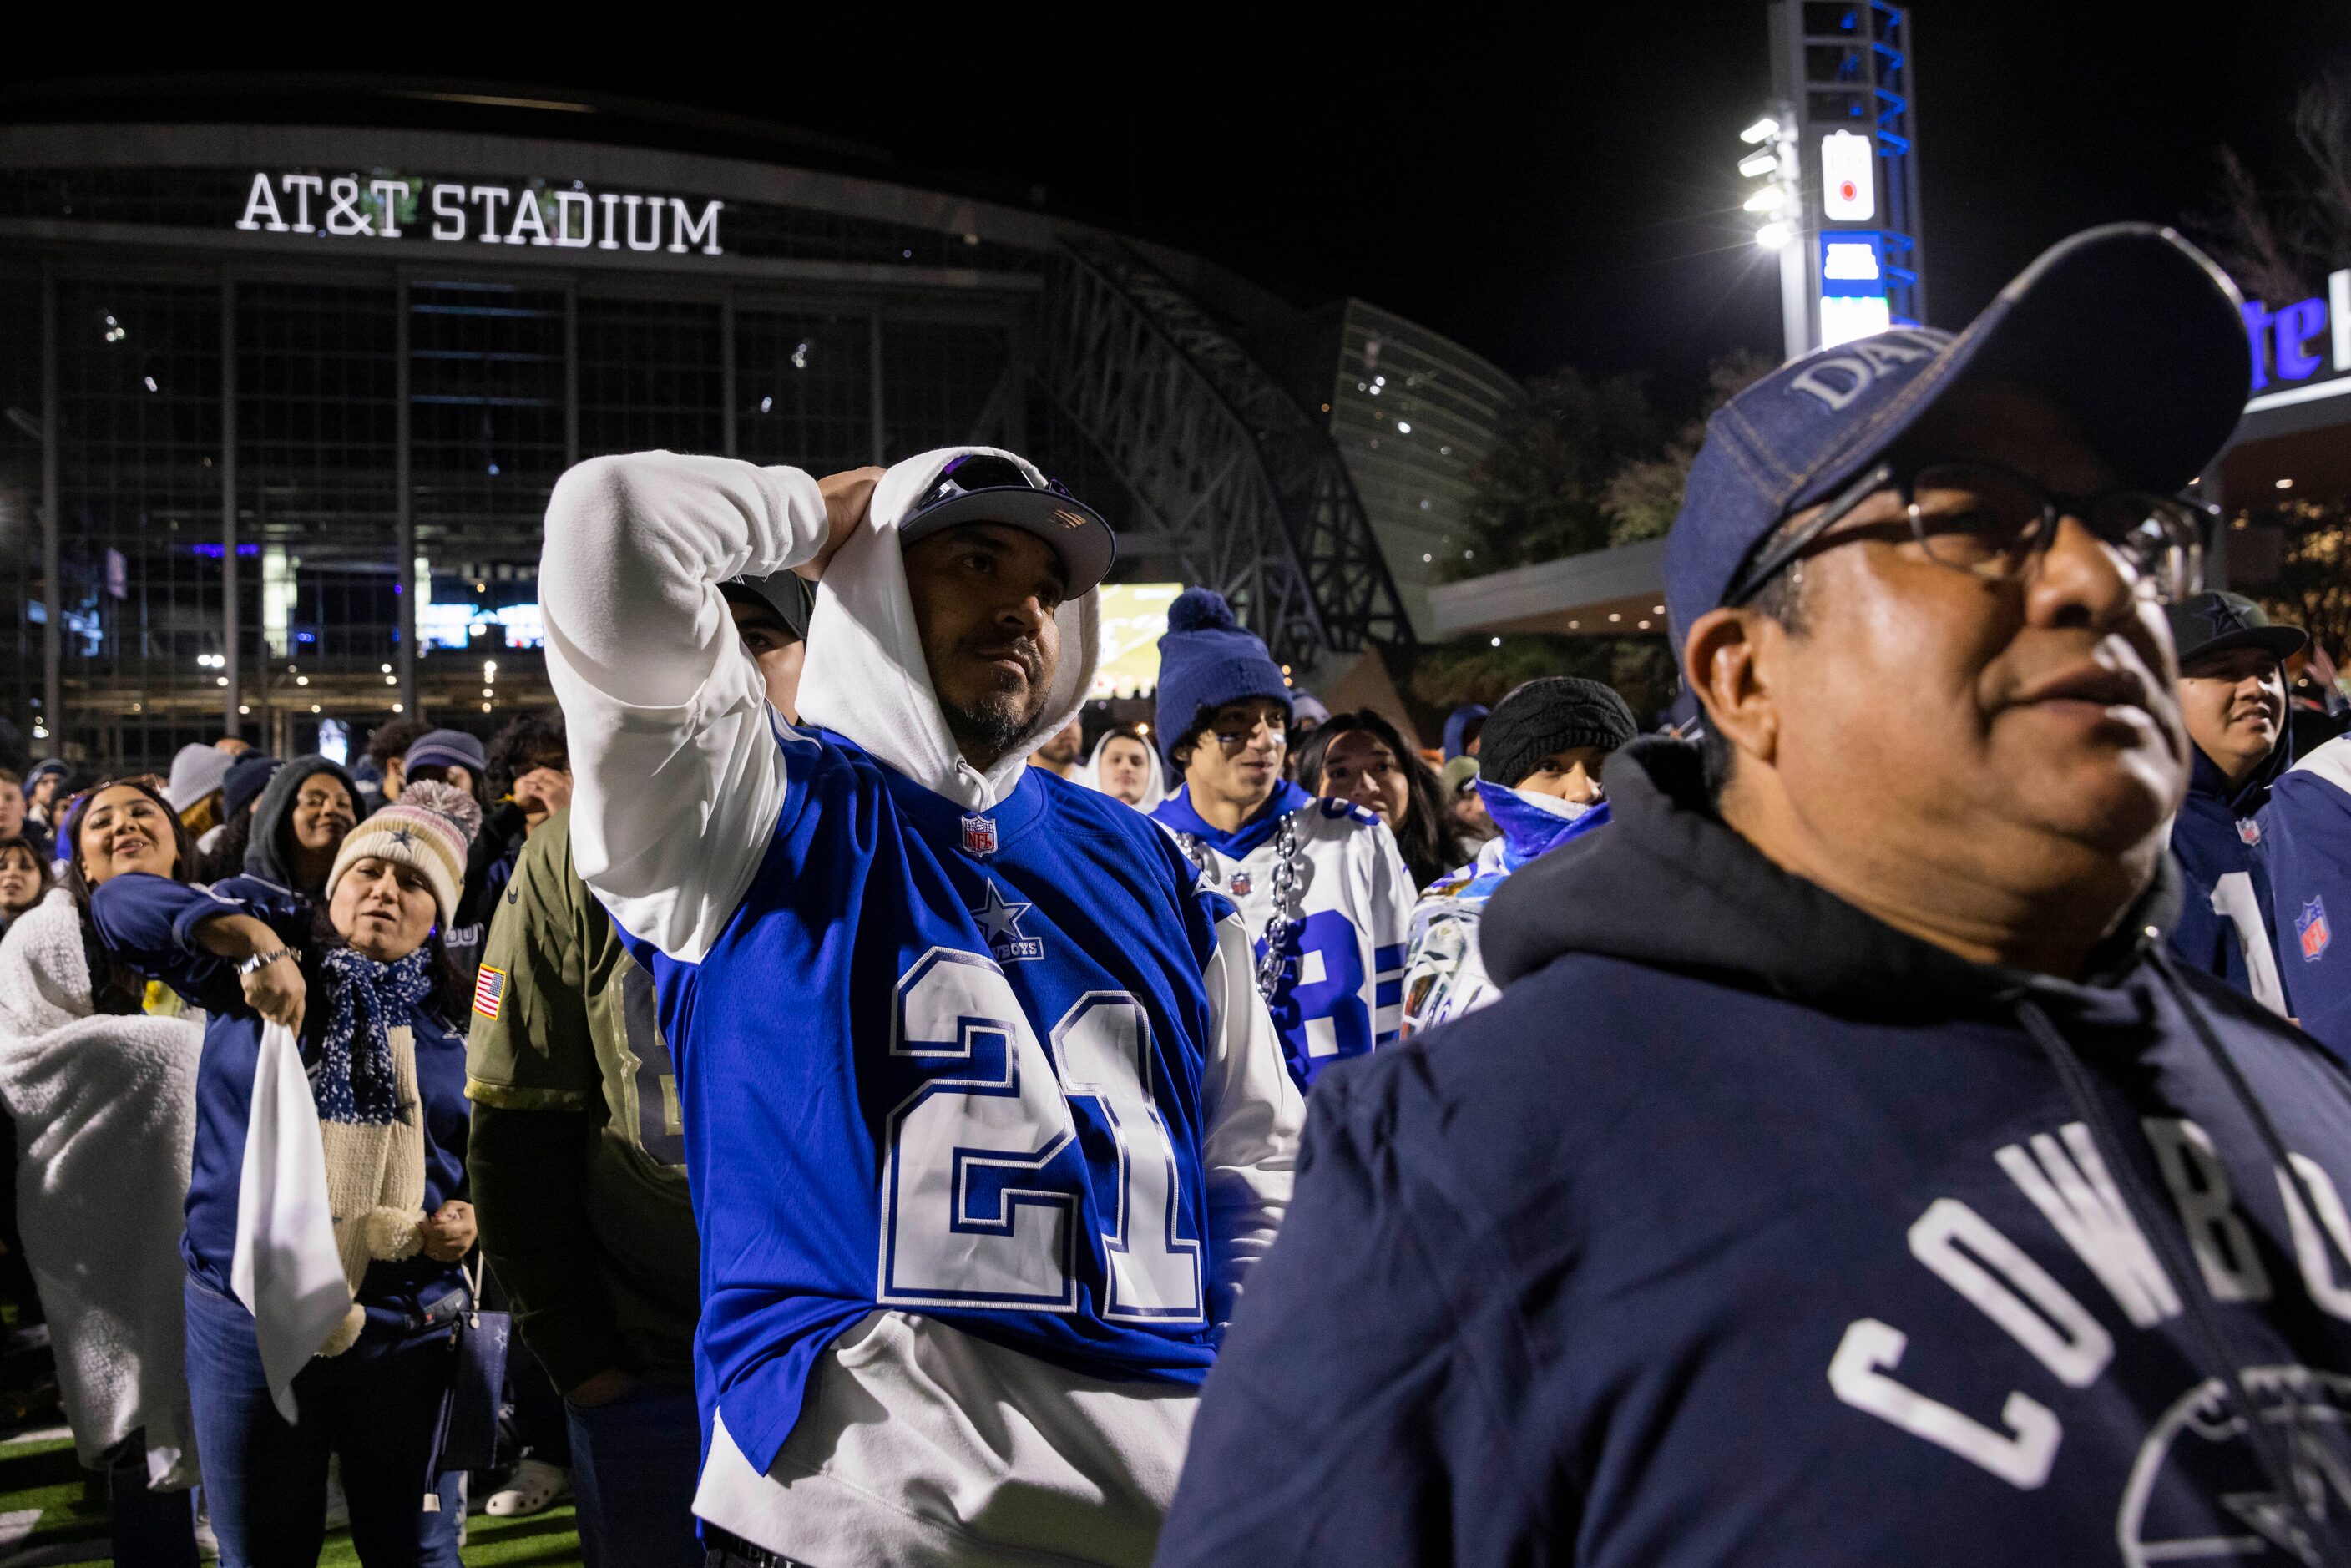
285, 395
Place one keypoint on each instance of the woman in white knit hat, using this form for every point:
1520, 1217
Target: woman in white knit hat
363, 981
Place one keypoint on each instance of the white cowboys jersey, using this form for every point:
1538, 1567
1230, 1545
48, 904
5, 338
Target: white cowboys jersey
1340, 990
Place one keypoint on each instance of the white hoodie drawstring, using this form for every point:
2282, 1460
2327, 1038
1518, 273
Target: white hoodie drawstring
976, 793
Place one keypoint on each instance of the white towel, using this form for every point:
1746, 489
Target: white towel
106, 1112
285, 1270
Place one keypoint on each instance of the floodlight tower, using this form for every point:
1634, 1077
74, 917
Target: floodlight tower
1780, 200
1848, 232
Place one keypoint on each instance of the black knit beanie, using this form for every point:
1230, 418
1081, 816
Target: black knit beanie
1540, 719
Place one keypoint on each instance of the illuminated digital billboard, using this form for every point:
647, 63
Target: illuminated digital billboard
1134, 619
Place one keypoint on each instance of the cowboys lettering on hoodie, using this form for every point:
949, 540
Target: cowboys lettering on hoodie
1538, 776
1321, 884
2233, 697
985, 1125
1848, 1174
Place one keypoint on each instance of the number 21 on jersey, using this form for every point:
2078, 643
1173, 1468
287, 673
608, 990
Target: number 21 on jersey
980, 1199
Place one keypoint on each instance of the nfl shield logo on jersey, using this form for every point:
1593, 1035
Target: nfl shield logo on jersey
2310, 928
2250, 830
1240, 885
979, 834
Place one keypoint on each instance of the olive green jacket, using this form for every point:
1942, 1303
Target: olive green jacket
577, 1158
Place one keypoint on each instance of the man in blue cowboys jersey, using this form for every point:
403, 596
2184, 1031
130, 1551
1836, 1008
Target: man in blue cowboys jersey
985, 1123
1319, 883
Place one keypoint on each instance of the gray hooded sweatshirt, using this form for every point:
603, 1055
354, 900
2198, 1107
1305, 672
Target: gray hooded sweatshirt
266, 852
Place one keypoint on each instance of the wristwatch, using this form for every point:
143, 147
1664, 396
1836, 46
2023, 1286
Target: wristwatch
261, 961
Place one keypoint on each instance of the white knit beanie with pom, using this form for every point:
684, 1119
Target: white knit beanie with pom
429, 827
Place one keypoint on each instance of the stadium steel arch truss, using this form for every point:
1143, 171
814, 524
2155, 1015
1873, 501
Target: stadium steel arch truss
1241, 489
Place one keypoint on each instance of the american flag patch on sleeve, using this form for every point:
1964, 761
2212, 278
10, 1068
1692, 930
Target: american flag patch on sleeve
490, 991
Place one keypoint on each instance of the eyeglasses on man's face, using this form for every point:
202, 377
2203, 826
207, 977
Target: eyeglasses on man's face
1992, 522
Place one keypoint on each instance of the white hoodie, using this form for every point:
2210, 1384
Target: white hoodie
1155, 782
917, 1443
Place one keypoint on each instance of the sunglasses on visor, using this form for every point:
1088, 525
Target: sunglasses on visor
978, 471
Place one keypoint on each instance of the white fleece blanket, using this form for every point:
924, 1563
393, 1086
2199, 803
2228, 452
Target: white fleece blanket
106, 1111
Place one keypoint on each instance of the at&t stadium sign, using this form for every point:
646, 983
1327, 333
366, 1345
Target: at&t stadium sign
392, 207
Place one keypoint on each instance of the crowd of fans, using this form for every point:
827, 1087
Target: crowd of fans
642, 1020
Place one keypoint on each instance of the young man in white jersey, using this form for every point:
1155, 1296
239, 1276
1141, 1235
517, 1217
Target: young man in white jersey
1319, 883
984, 1122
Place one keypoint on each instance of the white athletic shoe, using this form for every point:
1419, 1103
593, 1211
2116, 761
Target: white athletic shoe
535, 1486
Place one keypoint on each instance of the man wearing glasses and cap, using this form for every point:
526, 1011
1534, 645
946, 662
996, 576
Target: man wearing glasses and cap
1848, 1173
984, 1120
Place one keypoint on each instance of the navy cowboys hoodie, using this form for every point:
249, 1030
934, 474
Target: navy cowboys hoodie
1744, 1228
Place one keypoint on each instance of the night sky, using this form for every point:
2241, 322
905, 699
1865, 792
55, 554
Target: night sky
1549, 190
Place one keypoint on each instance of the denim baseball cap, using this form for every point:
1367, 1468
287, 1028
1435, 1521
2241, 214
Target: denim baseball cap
2130, 329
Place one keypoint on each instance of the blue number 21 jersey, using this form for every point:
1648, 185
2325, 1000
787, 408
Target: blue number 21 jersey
1011, 1142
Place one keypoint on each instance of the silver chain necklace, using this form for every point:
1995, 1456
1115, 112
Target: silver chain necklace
1282, 887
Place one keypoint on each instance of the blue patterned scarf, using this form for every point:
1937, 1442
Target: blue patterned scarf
355, 1082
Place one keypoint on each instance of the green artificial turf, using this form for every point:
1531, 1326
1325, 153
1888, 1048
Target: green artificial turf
43, 1474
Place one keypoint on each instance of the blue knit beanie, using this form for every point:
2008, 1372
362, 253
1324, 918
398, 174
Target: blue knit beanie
1206, 661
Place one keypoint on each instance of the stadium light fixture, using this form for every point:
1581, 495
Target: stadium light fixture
1774, 234
1761, 129
1770, 199
1754, 164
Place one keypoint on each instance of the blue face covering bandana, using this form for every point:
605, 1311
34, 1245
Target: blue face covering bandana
1533, 824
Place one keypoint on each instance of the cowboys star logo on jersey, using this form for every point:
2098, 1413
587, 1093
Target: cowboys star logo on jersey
1000, 922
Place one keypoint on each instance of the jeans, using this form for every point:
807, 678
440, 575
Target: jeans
150, 1528
266, 1482
633, 1467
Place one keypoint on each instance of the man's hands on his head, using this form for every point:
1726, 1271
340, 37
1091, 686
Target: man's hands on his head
846, 497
